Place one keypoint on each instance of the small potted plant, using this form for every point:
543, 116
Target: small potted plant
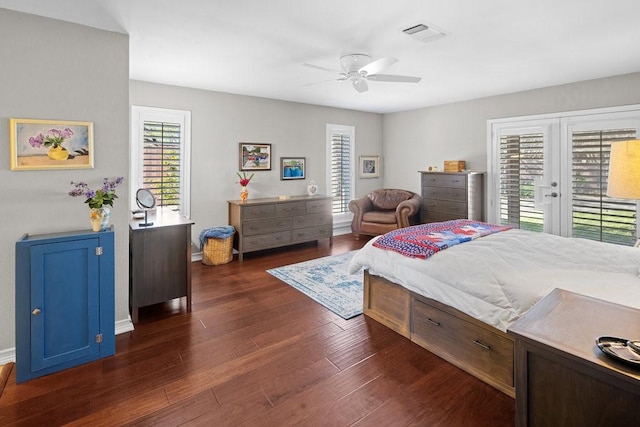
98, 200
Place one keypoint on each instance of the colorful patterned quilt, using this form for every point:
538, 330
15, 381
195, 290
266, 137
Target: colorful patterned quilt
424, 240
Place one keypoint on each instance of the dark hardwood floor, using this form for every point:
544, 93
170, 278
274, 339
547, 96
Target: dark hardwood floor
255, 351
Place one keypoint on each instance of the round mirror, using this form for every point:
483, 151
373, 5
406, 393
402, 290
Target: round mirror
145, 199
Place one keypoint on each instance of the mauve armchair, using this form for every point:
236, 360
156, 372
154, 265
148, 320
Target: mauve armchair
384, 210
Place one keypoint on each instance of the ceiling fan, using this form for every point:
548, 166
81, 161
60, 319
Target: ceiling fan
358, 68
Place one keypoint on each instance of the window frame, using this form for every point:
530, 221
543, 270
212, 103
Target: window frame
141, 114
332, 129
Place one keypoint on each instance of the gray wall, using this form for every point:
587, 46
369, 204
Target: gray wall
414, 140
56, 70
220, 121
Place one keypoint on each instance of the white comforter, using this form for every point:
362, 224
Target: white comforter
497, 278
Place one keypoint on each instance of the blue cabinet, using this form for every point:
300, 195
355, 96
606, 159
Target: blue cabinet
64, 301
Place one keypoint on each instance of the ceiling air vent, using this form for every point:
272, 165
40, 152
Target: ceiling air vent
424, 32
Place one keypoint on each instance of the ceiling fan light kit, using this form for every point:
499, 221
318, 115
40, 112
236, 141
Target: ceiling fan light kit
358, 68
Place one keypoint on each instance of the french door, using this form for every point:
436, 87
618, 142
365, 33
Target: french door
549, 174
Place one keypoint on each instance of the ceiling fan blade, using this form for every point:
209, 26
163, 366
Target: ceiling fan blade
393, 78
360, 85
378, 65
318, 67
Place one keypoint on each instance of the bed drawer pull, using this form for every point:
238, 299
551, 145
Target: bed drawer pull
433, 322
486, 347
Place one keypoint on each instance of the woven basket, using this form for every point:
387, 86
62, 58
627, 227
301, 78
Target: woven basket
217, 251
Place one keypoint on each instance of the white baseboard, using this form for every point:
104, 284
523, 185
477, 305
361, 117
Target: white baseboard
341, 228
122, 326
8, 355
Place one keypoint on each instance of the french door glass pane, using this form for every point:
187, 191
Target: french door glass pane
521, 162
594, 215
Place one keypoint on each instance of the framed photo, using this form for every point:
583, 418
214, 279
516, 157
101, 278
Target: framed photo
255, 157
50, 144
369, 166
292, 168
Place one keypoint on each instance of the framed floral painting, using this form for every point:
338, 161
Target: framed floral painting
50, 144
255, 157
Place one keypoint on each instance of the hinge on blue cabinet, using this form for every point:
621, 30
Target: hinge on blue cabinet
98, 250
99, 338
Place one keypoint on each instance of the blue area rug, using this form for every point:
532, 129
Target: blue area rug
327, 281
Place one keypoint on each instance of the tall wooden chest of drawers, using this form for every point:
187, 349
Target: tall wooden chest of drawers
452, 195
270, 222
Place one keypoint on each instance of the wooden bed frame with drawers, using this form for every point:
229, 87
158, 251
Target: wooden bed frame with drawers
480, 349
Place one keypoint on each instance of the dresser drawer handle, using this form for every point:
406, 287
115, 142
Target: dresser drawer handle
478, 343
433, 322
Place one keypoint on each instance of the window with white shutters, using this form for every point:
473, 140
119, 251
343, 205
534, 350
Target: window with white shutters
340, 149
521, 162
594, 215
160, 155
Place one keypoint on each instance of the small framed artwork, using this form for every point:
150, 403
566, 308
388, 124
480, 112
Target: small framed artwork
292, 168
50, 144
255, 157
369, 166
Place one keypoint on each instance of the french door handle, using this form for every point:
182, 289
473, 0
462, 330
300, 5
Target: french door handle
554, 194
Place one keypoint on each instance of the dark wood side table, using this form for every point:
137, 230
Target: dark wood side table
159, 260
562, 377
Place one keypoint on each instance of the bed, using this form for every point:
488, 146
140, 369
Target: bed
459, 302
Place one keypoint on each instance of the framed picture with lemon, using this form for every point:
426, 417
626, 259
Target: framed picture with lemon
50, 144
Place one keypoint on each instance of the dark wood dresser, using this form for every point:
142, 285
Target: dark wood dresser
562, 377
159, 260
452, 195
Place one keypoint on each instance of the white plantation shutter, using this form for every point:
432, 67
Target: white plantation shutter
340, 172
161, 161
340, 167
521, 161
594, 215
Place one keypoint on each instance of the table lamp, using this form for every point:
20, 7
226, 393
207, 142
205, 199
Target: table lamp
624, 171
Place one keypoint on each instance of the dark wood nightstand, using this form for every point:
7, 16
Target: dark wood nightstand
562, 377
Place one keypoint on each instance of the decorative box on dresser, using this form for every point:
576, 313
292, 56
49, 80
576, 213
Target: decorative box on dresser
272, 222
159, 260
562, 377
452, 195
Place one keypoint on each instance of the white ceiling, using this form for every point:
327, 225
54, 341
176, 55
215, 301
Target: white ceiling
257, 47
